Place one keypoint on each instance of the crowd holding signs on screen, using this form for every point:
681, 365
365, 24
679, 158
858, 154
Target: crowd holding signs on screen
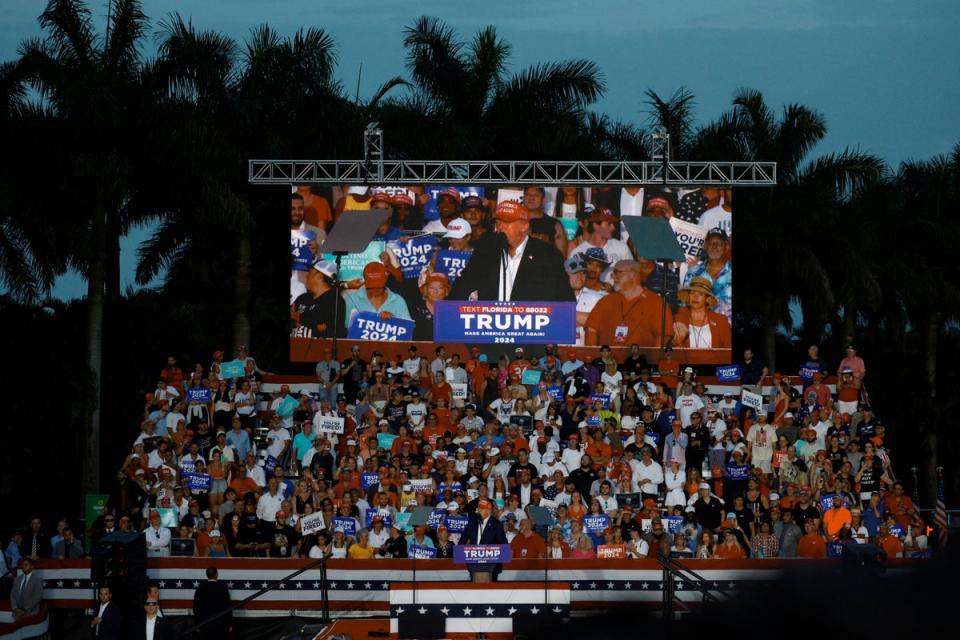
628, 459
566, 247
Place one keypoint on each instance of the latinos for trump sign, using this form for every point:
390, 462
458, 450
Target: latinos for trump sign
474, 553
505, 322
352, 264
367, 325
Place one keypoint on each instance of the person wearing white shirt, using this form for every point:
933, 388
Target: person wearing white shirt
674, 478
648, 476
417, 412
157, 538
687, 404
285, 421
270, 502
378, 535
255, 471
572, 454
279, 440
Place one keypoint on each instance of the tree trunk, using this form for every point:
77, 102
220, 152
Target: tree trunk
95, 298
241, 290
932, 334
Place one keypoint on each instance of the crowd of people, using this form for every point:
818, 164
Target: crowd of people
520, 243
628, 459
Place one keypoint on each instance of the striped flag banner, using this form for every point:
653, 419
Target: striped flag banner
940, 513
488, 608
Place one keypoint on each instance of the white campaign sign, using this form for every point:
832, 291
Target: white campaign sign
459, 391
311, 523
330, 424
751, 399
690, 237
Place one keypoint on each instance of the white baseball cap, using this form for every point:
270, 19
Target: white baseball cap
458, 228
326, 267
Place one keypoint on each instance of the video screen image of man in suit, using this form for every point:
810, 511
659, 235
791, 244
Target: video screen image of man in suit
483, 528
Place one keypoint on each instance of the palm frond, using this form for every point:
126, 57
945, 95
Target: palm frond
434, 57
127, 25
675, 114
71, 32
487, 63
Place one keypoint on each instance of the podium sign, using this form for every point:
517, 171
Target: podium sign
482, 554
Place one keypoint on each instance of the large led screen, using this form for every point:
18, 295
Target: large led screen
525, 265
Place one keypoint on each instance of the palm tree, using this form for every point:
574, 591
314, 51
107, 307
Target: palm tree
465, 105
91, 94
780, 229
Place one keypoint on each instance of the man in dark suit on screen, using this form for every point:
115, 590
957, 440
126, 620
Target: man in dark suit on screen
509, 265
483, 528
107, 622
210, 598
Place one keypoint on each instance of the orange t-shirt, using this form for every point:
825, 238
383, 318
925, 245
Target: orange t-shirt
641, 316
894, 504
244, 486
532, 547
724, 552
811, 545
891, 546
316, 210
669, 368
834, 519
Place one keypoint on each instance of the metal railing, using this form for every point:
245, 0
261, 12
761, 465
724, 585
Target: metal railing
324, 595
674, 570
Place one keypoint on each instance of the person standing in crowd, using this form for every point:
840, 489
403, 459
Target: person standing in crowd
27, 590
631, 314
715, 266
528, 269
533, 200
210, 599
108, 622
695, 325
375, 297
312, 313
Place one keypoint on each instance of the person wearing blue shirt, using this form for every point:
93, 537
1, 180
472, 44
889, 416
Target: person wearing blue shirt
873, 514
239, 440
375, 297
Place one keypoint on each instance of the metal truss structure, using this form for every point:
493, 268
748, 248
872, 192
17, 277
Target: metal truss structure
374, 169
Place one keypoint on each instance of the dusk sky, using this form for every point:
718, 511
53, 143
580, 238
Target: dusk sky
883, 72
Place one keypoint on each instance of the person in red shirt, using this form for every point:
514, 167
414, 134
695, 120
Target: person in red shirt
890, 544
172, 374
440, 390
527, 544
811, 544
669, 368
729, 549
631, 314
899, 505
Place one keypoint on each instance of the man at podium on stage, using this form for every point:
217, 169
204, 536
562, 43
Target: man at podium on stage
483, 529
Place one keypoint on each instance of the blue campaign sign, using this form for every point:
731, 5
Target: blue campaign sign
604, 398
300, 253
187, 465
369, 479
456, 486
347, 525
674, 523
232, 369
834, 549
435, 519
456, 524
352, 264
826, 501
738, 471
555, 393
430, 208
414, 254
595, 523
728, 374
806, 372
198, 481
592, 421
269, 464
420, 552
482, 553
505, 322
451, 263
384, 515
199, 394
287, 406
897, 530
367, 325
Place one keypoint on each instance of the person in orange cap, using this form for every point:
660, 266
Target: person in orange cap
374, 296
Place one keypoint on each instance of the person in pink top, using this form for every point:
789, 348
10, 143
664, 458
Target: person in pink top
854, 362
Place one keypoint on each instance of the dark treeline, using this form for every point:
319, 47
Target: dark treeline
99, 138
